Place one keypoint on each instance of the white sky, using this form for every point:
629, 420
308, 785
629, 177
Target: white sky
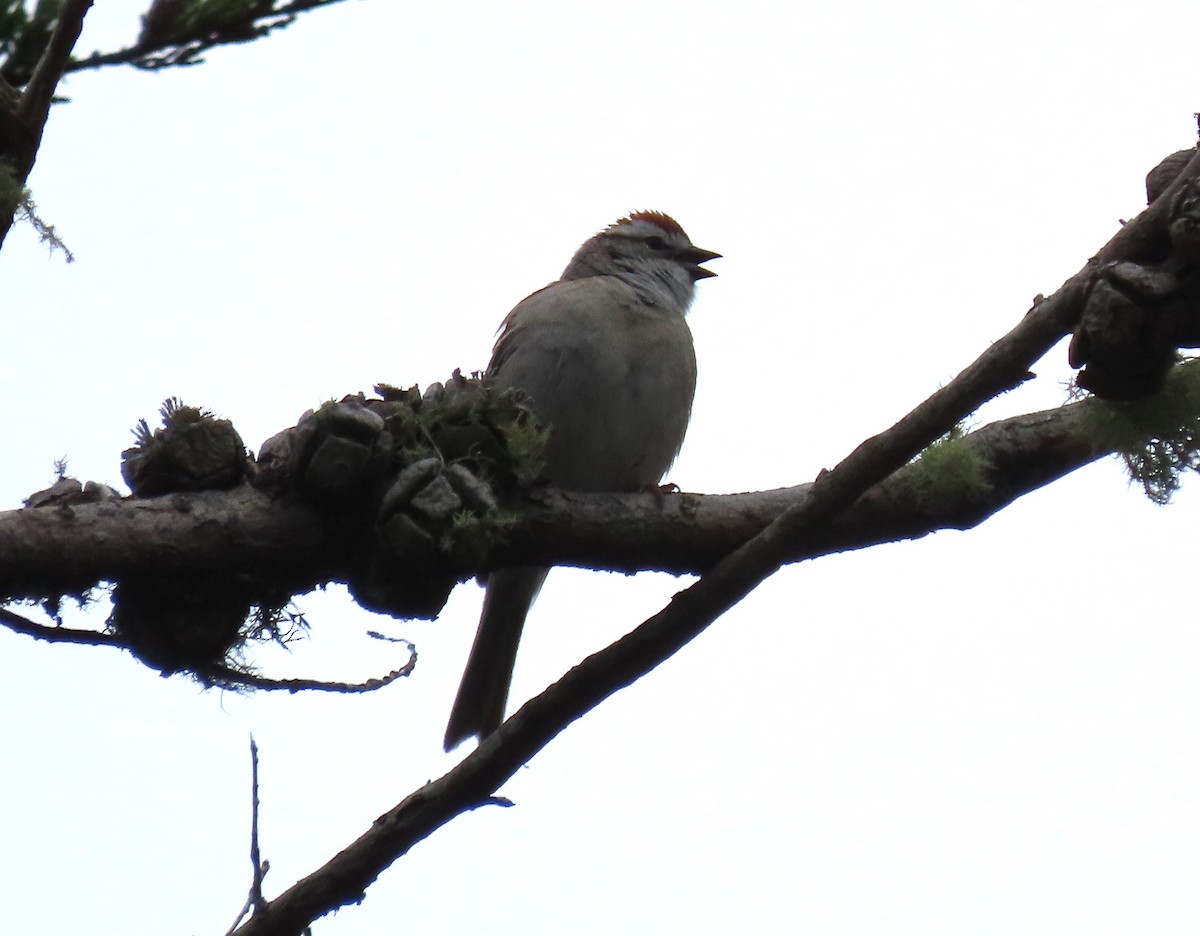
991, 732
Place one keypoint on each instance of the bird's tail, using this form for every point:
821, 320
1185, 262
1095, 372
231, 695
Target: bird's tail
482, 695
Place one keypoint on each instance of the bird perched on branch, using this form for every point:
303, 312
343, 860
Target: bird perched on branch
605, 356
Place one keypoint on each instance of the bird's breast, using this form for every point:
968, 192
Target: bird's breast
615, 389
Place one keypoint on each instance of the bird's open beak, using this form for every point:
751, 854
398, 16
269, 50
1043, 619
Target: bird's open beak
693, 257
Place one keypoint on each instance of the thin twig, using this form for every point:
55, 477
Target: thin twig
23, 625
260, 867
255, 899
54, 634
253, 681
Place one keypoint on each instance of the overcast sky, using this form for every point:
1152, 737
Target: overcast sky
989, 732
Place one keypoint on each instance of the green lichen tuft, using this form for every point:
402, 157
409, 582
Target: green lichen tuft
471, 535
16, 201
525, 441
1158, 437
949, 469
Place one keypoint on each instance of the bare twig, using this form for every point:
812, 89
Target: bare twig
228, 677
23, 625
255, 899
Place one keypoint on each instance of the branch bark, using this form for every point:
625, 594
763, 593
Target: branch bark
67, 549
23, 117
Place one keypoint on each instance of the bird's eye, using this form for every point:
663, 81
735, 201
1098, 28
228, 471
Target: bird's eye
654, 242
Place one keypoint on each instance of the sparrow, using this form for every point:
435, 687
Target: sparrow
605, 357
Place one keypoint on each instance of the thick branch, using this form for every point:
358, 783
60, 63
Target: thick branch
67, 549
690, 533
54, 550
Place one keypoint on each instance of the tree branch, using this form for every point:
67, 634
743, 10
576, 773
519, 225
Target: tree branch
22, 625
254, 899
23, 118
254, 681
35, 100
153, 52
67, 549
